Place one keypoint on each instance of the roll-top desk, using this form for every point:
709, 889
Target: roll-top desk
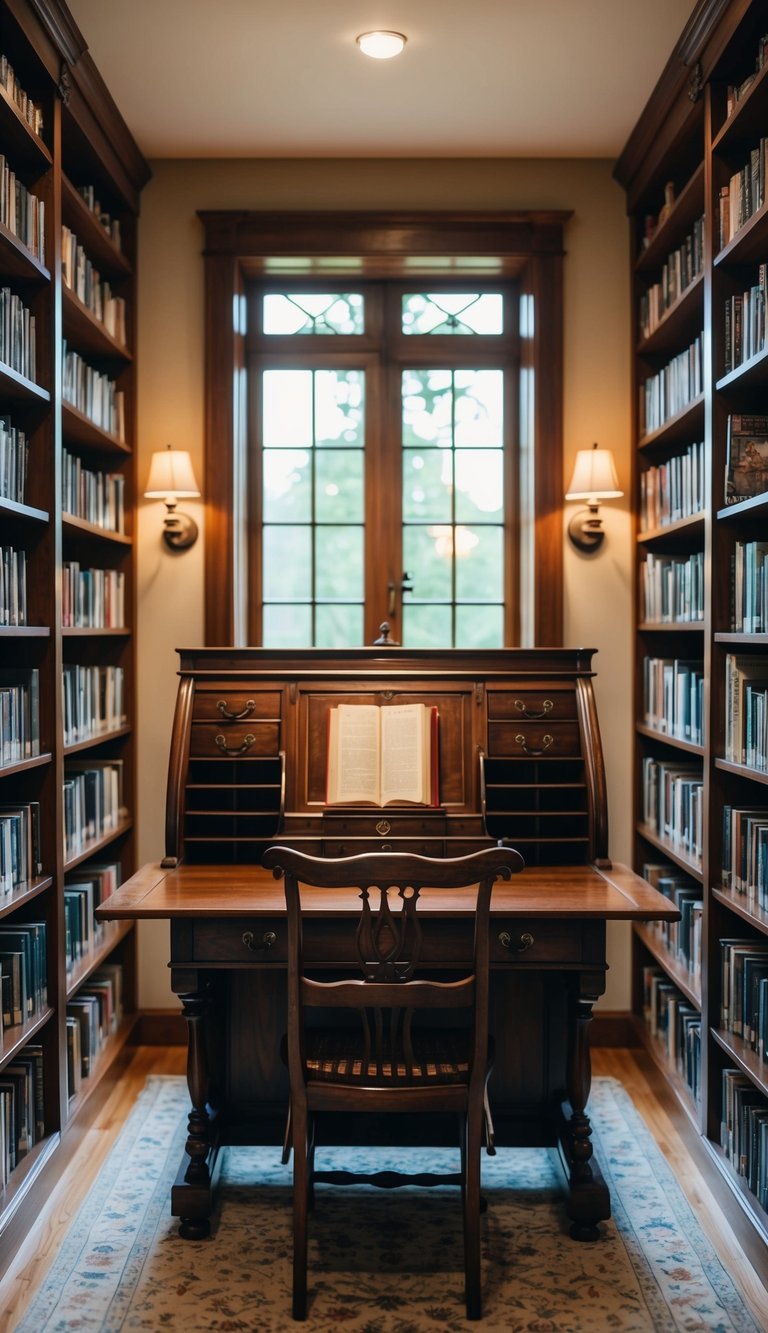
519, 758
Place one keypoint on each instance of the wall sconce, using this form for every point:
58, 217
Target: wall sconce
171, 477
594, 479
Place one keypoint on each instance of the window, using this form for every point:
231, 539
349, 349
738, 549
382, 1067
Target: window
383, 437
393, 513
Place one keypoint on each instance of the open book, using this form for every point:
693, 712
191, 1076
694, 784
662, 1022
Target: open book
382, 755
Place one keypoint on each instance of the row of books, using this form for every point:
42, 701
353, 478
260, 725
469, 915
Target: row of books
673, 697
675, 1024
672, 589
79, 274
672, 389
93, 801
21, 211
743, 195
744, 1131
672, 490
32, 112
93, 394
736, 91
746, 462
750, 587
673, 805
96, 497
23, 971
84, 891
679, 271
14, 459
746, 710
20, 856
22, 1108
19, 714
744, 991
745, 852
110, 224
94, 1013
92, 598
94, 701
681, 939
17, 334
13, 586
745, 323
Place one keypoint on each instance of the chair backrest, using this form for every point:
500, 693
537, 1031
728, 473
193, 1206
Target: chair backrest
386, 937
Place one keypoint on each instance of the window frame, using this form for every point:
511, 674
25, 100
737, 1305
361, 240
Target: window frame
346, 248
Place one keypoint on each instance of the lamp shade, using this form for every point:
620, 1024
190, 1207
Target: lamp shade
594, 476
171, 473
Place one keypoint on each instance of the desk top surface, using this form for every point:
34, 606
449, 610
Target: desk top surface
579, 892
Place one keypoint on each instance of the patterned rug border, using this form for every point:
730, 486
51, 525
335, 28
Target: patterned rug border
41, 1313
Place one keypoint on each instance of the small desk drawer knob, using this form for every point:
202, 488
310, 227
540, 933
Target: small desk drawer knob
259, 946
520, 946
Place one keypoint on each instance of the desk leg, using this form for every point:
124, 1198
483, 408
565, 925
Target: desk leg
589, 1201
192, 1196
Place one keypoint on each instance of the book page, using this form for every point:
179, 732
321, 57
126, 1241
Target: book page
404, 770
353, 754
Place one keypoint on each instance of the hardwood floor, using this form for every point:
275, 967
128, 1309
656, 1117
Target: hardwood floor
720, 1215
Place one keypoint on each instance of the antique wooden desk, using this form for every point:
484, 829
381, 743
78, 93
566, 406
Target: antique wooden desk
520, 757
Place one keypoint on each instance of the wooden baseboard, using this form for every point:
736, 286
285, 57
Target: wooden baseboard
160, 1027
166, 1027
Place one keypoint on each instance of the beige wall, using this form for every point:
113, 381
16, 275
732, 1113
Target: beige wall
170, 382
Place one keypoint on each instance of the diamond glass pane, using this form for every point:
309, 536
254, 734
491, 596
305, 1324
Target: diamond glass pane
287, 557
427, 485
339, 563
286, 626
339, 408
462, 313
287, 485
338, 626
479, 564
479, 627
293, 313
427, 627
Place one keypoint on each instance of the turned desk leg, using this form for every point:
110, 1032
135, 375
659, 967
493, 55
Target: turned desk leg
589, 1202
194, 1195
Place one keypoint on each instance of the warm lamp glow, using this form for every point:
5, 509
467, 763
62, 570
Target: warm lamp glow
171, 475
594, 479
381, 45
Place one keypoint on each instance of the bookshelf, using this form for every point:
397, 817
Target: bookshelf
71, 177
694, 171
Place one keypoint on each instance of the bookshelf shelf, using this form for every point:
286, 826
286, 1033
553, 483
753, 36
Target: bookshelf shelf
681, 131
83, 145
114, 932
688, 206
659, 1056
684, 316
675, 742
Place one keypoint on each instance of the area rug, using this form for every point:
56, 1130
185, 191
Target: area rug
384, 1262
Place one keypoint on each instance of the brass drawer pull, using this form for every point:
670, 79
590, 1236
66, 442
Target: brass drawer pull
383, 827
257, 946
546, 741
248, 740
235, 717
525, 942
522, 707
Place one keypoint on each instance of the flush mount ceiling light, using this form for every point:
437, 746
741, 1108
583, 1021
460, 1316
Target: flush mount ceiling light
381, 45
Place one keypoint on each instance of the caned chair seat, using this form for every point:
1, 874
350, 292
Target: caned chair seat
405, 1041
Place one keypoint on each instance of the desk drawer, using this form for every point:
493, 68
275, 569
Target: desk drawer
234, 739
534, 739
540, 705
517, 942
384, 824
225, 705
353, 846
223, 942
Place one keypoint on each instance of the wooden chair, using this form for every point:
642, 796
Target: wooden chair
388, 1059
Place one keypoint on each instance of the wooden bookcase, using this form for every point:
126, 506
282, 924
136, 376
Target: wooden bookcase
694, 137
82, 143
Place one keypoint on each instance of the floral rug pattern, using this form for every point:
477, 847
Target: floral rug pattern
380, 1261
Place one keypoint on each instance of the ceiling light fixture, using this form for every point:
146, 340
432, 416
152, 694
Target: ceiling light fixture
381, 45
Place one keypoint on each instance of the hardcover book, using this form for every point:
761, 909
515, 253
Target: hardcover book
380, 756
746, 467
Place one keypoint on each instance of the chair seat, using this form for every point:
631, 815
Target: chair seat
337, 1056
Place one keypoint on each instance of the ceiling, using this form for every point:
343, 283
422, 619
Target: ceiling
284, 78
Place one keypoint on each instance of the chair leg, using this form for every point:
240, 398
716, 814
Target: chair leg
471, 1193
300, 1201
285, 1156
